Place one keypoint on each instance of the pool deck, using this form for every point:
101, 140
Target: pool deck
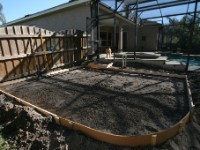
194, 68
148, 58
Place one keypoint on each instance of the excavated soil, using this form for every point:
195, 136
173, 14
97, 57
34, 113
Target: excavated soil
118, 103
24, 128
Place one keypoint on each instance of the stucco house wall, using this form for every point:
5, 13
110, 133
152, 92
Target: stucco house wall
148, 38
70, 18
150, 33
74, 17
130, 38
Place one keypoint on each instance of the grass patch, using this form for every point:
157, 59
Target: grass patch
2, 140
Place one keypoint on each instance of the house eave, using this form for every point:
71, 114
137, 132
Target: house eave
110, 10
66, 6
48, 11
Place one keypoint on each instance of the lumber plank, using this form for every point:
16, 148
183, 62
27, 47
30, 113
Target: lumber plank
1, 49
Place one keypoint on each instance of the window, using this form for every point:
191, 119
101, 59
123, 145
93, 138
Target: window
105, 38
143, 38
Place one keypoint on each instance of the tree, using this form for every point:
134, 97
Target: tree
184, 32
178, 33
2, 17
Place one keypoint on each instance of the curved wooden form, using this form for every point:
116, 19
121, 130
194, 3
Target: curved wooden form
122, 140
156, 138
132, 141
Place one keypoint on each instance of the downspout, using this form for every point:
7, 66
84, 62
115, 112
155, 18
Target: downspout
160, 42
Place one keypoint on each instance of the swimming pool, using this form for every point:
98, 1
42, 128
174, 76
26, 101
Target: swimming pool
194, 60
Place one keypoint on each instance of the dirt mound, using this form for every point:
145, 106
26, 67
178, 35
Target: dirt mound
23, 127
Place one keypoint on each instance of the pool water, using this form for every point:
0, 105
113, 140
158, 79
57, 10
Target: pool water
194, 61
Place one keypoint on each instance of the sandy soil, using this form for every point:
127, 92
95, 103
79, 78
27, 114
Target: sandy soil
119, 103
188, 139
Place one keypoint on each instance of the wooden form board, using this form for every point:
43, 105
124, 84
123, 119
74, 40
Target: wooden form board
156, 138
25, 50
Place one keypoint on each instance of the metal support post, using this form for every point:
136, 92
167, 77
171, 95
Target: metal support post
191, 36
136, 29
114, 32
97, 26
124, 60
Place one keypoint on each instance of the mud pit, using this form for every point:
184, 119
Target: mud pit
119, 103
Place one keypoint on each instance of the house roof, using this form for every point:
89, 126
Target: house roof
48, 11
109, 10
69, 4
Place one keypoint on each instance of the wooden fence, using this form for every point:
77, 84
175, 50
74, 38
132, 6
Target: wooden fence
26, 50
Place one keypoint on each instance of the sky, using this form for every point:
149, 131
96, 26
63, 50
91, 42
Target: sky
15, 9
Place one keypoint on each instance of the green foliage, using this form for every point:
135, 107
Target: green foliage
2, 17
2, 141
178, 33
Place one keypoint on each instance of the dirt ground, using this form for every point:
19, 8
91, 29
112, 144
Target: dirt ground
118, 103
106, 101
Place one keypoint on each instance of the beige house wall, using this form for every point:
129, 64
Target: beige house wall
130, 38
150, 33
75, 18
62, 20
